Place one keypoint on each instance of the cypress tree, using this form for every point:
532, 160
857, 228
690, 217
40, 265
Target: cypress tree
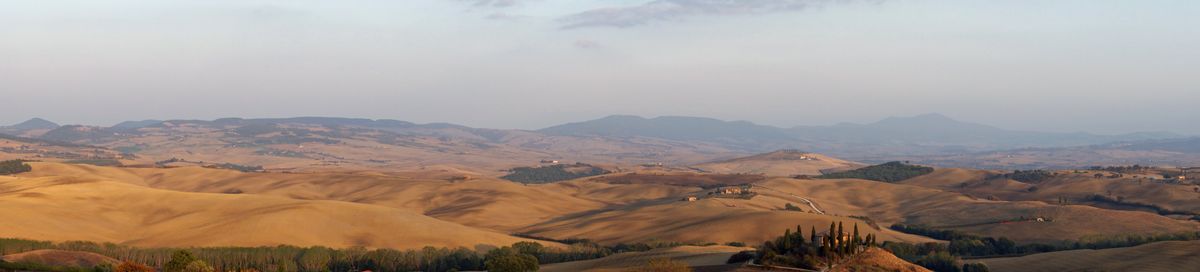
786, 243
841, 232
813, 234
857, 240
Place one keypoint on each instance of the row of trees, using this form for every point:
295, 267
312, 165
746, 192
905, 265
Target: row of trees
14, 167
291, 258
888, 172
814, 251
522, 256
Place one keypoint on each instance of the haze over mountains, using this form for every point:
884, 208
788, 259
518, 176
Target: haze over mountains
929, 138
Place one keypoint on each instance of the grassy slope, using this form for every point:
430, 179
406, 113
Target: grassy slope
69, 208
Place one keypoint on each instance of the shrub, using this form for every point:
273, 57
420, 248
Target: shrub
940, 262
507, 259
14, 167
128, 266
741, 257
180, 260
975, 267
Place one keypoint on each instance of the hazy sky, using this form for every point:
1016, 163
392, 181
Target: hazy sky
1087, 65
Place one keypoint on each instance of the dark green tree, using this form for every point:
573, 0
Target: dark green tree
975, 267
179, 261
14, 167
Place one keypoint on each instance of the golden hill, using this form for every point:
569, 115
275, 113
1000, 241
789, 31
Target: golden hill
91, 209
177, 206
876, 259
780, 163
1138, 192
692, 255
888, 203
1161, 256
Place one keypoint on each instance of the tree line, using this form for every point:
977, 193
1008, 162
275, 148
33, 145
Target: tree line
522, 256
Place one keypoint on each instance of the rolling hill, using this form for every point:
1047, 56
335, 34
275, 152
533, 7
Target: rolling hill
694, 256
94, 209
1139, 192
1161, 256
780, 163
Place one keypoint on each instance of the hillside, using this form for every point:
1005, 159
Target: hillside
876, 259
694, 256
780, 163
1161, 256
309, 144
1130, 191
29, 128
1160, 152
888, 203
893, 138
92, 209
322, 143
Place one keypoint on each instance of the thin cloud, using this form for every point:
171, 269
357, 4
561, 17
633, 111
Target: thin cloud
493, 3
587, 44
501, 16
668, 10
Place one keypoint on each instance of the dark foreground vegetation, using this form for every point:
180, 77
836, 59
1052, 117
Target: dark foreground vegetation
522, 257
794, 249
14, 167
888, 172
946, 257
553, 173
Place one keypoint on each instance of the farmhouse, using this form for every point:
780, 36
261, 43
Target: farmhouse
729, 190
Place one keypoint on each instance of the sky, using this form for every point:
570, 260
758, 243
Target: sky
1088, 65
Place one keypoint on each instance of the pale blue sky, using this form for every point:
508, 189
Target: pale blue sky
1100, 66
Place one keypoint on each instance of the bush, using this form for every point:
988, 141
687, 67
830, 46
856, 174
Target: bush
129, 266
180, 260
888, 172
508, 259
975, 267
14, 167
940, 262
741, 257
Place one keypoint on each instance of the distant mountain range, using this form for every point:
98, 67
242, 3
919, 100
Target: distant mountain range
923, 134
30, 125
929, 138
